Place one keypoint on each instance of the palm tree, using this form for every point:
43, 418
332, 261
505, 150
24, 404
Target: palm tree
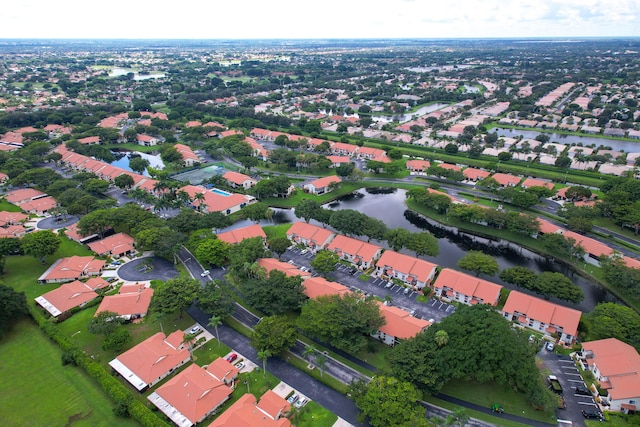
264, 355
216, 321
198, 197
321, 360
442, 338
309, 351
188, 339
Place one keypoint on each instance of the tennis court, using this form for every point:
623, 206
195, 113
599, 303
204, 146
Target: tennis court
196, 176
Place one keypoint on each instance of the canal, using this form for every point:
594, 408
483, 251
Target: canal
586, 141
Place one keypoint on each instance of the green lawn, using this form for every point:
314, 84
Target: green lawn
475, 414
8, 207
314, 415
273, 231
37, 390
486, 394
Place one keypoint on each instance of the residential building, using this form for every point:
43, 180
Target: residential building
247, 412
70, 295
89, 140
223, 371
322, 185
312, 236
17, 197
533, 182
191, 396
217, 200
543, 316
116, 245
239, 180
314, 287
270, 264
399, 325
155, 358
72, 268
473, 174
357, 252
129, 304
12, 218
418, 166
413, 271
616, 367
456, 286
594, 251
506, 180
339, 160
239, 234
189, 158
147, 140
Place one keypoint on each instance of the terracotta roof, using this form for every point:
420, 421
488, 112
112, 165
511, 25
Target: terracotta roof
246, 413
271, 264
90, 140
216, 202
506, 179
127, 304
547, 227
412, 266
239, 234
72, 268
448, 166
42, 204
274, 405
418, 164
619, 363
193, 393
354, 247
117, 244
532, 182
66, 297
399, 323
223, 370
487, 292
476, 174
590, 245
21, 195
151, 359
237, 178
11, 218
325, 181
186, 152
339, 159
310, 232
314, 287
543, 311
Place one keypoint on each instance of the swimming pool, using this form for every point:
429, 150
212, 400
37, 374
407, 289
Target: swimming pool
220, 192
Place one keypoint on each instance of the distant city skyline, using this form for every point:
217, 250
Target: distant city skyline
289, 19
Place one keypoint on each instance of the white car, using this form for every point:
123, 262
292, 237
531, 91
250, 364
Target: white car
205, 273
239, 365
300, 402
195, 330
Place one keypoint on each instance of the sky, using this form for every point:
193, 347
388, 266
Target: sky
300, 19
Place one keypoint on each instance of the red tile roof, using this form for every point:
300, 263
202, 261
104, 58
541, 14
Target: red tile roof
271, 264
420, 165
7, 218
117, 244
532, 182
17, 196
619, 363
506, 179
223, 370
310, 232
487, 292
127, 304
237, 178
66, 297
72, 268
239, 234
543, 311
314, 287
399, 323
325, 181
590, 245
354, 247
246, 413
475, 174
420, 269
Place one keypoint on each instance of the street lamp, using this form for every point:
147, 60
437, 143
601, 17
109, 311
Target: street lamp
75, 333
247, 383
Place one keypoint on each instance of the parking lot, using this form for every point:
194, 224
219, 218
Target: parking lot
432, 310
569, 377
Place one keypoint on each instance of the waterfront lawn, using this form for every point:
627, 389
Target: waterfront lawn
37, 390
487, 394
273, 231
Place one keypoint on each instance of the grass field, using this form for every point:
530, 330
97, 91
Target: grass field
273, 231
37, 390
8, 207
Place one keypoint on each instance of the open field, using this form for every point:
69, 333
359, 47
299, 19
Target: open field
37, 390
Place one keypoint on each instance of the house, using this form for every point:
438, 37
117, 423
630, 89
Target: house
12, 218
399, 325
189, 158
191, 396
116, 246
72, 268
247, 412
13, 231
314, 287
343, 149
129, 304
223, 371
239, 234
70, 295
216, 200
616, 367
456, 286
289, 270
357, 252
506, 180
89, 140
418, 166
533, 182
16, 197
146, 140
543, 316
547, 227
39, 206
322, 185
155, 358
413, 271
594, 250
236, 179
473, 174
339, 160
312, 236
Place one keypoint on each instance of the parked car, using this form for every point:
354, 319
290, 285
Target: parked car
582, 390
592, 413
240, 365
550, 346
304, 251
407, 290
292, 399
300, 402
205, 273
195, 330
388, 285
230, 358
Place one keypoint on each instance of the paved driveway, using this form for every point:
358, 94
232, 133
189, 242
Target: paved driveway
136, 271
53, 222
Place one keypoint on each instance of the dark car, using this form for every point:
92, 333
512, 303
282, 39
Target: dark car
592, 413
583, 391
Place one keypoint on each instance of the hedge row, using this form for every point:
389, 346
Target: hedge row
121, 396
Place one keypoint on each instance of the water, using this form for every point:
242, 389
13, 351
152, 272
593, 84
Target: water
402, 118
220, 192
117, 72
123, 162
626, 146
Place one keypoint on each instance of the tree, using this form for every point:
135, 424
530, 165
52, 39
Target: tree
256, 211
612, 320
264, 355
324, 262
442, 338
279, 245
116, 340
307, 209
519, 276
397, 238
213, 251
580, 224
345, 170
138, 164
348, 221
374, 228
214, 322
557, 284
95, 186
216, 299
39, 244
423, 243
246, 252
563, 162
104, 323
13, 305
576, 193
274, 294
275, 334
558, 244
124, 181
479, 263
386, 401
451, 148
342, 321
175, 294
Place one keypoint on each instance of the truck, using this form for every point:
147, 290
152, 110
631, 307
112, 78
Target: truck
554, 384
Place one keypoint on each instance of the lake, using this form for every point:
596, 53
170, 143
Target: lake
123, 162
626, 146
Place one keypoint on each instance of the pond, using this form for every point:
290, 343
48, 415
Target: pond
402, 118
124, 158
388, 205
626, 146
